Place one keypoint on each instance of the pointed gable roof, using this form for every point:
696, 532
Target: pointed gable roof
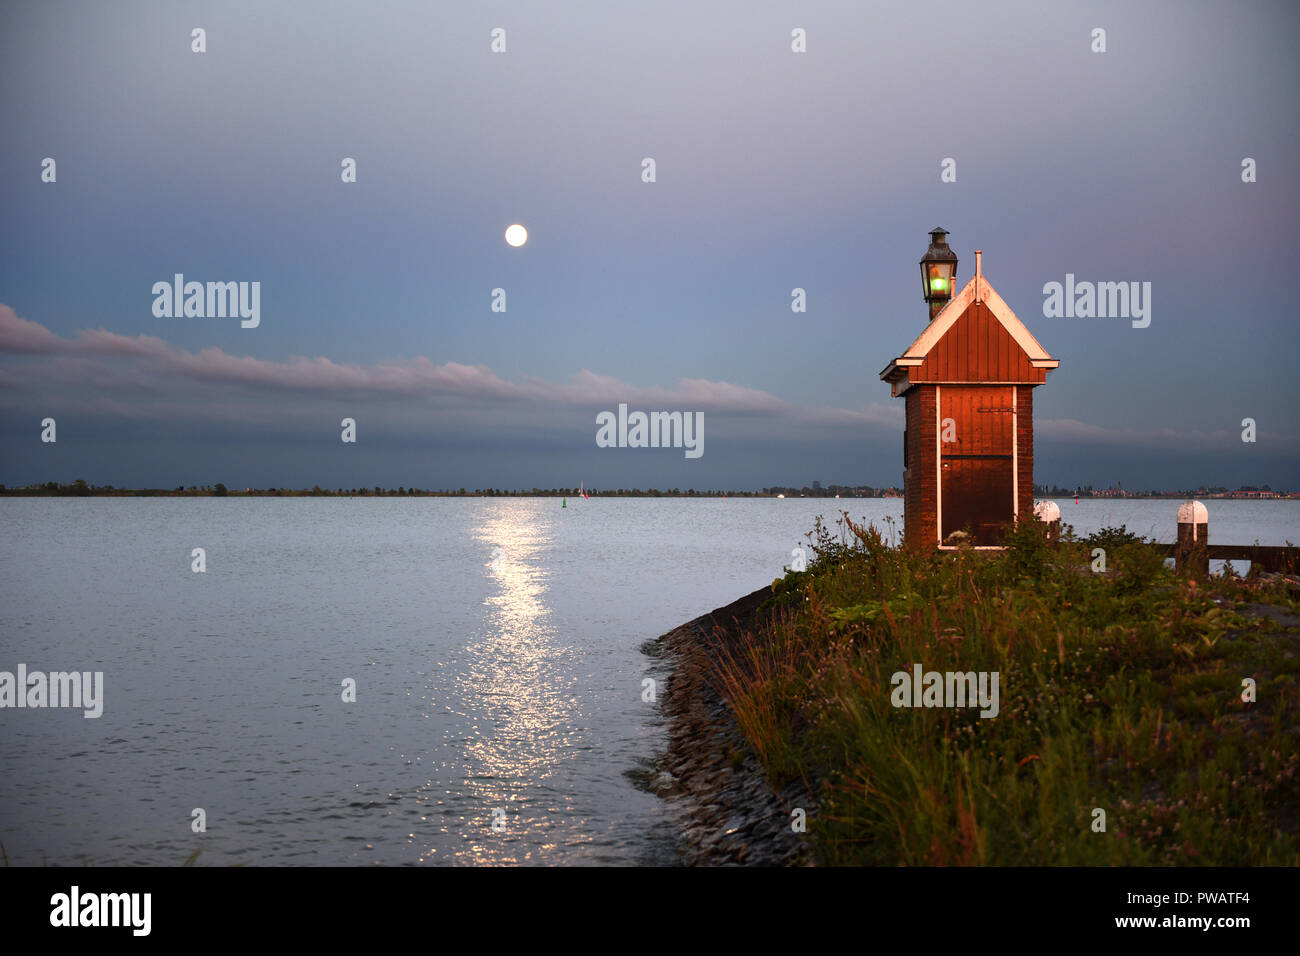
975, 338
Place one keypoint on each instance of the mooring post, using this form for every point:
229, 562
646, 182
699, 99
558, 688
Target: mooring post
1192, 555
1049, 514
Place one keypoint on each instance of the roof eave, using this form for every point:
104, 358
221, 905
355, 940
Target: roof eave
898, 366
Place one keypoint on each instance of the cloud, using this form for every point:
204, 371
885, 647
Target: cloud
115, 368
24, 336
145, 378
1076, 432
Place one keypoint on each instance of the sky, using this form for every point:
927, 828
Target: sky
774, 170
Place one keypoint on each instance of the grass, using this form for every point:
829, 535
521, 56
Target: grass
1120, 691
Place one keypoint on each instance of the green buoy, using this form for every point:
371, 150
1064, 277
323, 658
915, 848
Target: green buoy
564, 502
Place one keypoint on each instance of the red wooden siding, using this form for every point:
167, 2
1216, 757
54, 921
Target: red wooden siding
977, 349
976, 465
981, 420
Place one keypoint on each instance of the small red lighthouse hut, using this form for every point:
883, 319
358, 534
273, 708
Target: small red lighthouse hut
968, 380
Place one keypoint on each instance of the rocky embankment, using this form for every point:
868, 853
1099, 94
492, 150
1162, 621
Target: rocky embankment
730, 814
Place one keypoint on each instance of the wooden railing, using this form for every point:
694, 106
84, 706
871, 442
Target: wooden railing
1193, 552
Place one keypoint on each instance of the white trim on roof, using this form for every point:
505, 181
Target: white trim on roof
956, 307
1024, 338
945, 320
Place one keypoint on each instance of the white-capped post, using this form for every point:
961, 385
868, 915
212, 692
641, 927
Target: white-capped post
1049, 514
1192, 554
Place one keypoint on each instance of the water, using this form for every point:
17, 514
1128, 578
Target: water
487, 680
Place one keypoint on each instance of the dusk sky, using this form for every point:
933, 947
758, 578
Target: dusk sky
775, 170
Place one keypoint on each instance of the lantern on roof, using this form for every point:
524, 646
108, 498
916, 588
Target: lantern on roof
938, 271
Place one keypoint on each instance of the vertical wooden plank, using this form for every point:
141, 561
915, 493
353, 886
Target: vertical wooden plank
990, 347
968, 422
1004, 422
999, 360
981, 345
949, 350
972, 344
963, 346
945, 360
1006, 357
955, 351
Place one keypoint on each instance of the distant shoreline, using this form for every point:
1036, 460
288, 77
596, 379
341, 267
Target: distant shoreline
390, 493
83, 490
64, 492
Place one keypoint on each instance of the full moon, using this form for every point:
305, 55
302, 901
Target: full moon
516, 235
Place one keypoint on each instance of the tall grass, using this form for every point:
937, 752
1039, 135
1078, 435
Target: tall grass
1120, 691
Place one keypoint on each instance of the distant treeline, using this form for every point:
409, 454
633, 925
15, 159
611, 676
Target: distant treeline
834, 491
80, 488
1087, 491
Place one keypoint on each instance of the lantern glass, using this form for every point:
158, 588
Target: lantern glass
938, 279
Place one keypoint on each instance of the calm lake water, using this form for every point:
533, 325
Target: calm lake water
495, 645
